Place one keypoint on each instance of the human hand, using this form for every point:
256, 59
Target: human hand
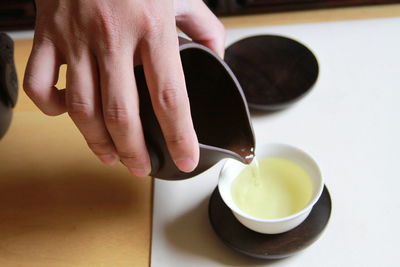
100, 41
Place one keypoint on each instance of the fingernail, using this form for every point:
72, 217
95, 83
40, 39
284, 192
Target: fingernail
185, 164
108, 159
138, 172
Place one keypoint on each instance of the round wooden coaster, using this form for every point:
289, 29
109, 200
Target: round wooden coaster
265, 246
274, 71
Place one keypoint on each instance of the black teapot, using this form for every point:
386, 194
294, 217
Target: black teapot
219, 112
8, 82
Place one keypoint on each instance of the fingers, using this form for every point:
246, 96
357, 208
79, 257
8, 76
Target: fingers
41, 75
84, 107
121, 110
165, 79
200, 24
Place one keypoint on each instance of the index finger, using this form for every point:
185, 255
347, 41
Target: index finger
41, 75
166, 83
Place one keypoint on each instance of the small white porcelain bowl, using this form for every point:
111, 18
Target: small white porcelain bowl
232, 168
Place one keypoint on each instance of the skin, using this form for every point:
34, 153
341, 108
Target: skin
101, 41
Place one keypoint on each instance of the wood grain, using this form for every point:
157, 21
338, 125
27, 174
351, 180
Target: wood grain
285, 70
59, 206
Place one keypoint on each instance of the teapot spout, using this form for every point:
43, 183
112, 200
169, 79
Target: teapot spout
242, 154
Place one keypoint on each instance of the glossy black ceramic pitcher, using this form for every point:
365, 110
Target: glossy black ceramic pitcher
219, 112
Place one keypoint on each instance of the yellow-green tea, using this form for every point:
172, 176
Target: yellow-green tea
273, 188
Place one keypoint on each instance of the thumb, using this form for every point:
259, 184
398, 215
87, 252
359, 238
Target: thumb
195, 19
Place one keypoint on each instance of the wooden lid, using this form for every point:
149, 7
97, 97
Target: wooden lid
273, 71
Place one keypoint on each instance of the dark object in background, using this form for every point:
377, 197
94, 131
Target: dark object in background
17, 15
273, 71
236, 7
8, 82
20, 14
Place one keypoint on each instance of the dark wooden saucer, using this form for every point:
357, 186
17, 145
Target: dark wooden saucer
274, 71
264, 246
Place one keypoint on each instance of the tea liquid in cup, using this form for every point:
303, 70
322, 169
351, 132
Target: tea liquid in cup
272, 188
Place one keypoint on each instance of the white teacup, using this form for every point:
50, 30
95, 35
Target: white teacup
232, 168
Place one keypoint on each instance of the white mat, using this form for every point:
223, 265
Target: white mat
350, 123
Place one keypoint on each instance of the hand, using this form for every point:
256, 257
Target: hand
100, 41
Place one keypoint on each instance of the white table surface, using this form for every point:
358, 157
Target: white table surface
350, 123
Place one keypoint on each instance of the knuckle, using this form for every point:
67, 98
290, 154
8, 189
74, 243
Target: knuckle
152, 24
43, 37
99, 146
176, 139
169, 99
31, 85
117, 116
109, 26
131, 157
58, 22
33, 88
80, 111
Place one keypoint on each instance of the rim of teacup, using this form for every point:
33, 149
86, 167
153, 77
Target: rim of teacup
222, 177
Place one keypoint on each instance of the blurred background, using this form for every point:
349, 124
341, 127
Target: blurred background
20, 14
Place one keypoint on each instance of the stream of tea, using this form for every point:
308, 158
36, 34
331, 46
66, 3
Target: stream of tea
272, 188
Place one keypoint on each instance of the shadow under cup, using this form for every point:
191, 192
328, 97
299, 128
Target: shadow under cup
232, 168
